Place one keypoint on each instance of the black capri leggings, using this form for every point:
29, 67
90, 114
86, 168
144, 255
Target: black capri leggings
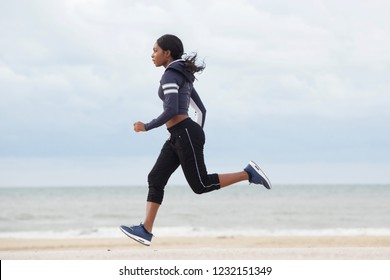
185, 148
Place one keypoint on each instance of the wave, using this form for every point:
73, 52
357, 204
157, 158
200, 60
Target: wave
195, 232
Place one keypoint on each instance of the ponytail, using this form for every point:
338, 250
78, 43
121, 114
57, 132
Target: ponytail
191, 66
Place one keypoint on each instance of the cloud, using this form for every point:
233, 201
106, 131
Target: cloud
75, 74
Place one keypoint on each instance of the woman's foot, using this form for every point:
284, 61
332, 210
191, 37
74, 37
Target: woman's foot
138, 233
257, 176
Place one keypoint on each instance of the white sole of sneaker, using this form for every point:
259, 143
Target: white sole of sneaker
261, 172
136, 238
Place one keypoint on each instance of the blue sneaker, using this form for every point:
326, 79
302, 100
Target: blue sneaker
256, 175
138, 233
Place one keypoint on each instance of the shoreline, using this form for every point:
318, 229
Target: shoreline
236, 247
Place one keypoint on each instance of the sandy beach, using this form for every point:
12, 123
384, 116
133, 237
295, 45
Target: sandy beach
200, 248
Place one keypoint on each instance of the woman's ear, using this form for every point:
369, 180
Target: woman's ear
167, 53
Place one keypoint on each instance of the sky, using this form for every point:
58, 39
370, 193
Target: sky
300, 87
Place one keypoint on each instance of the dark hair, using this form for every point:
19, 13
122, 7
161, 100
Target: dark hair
174, 44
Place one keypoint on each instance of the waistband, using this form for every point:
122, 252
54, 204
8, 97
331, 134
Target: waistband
181, 125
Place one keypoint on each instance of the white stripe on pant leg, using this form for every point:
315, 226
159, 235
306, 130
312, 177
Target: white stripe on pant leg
196, 163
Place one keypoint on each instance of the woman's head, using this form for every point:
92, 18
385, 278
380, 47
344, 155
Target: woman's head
169, 48
171, 43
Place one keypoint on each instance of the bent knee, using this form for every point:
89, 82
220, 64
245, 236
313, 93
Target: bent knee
201, 189
204, 184
198, 190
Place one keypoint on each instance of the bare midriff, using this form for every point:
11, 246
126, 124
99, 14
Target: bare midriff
175, 120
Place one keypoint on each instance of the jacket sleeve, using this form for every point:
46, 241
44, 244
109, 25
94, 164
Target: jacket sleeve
200, 110
170, 88
170, 106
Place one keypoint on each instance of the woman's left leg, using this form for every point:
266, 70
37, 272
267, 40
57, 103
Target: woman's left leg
228, 179
189, 147
190, 151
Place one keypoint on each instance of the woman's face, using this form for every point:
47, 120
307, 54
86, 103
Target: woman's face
161, 57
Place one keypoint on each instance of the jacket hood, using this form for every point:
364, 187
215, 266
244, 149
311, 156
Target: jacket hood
178, 65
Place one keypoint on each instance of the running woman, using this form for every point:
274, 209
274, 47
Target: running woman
185, 145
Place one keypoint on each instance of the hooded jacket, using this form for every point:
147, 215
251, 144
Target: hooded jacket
177, 93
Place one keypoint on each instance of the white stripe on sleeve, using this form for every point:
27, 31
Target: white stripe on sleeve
170, 88
170, 85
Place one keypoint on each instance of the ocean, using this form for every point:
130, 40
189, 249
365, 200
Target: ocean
239, 210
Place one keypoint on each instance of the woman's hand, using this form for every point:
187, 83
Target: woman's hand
139, 126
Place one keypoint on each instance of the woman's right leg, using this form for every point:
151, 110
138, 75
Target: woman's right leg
151, 214
166, 163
